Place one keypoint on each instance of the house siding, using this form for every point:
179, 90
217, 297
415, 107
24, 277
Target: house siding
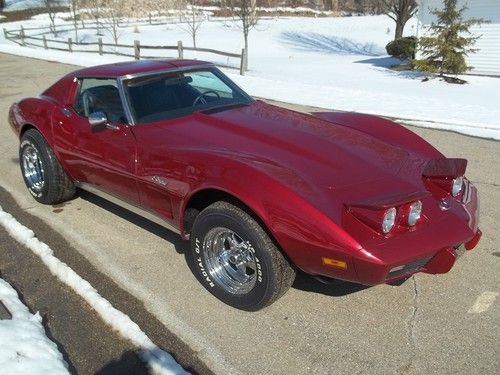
486, 61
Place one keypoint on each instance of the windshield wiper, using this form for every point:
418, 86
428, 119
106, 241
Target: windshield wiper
222, 107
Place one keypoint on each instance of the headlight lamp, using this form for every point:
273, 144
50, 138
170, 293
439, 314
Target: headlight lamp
388, 220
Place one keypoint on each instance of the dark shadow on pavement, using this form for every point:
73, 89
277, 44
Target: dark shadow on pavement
329, 44
337, 288
162, 232
128, 363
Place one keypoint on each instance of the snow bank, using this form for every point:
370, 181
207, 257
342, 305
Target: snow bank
24, 347
159, 361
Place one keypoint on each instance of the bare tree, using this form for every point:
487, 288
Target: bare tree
246, 12
75, 5
158, 7
51, 7
192, 18
94, 8
2, 4
400, 11
332, 5
114, 13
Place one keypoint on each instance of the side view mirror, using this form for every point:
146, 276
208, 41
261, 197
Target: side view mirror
99, 118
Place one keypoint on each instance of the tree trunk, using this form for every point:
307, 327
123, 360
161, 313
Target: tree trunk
246, 49
399, 30
194, 39
75, 24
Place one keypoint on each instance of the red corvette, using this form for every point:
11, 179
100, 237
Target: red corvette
259, 190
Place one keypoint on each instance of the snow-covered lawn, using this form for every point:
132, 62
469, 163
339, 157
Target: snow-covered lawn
24, 347
330, 62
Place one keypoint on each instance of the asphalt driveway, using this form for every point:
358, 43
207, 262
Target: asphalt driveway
427, 325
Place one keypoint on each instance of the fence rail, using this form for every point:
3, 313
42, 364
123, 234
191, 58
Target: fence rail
20, 37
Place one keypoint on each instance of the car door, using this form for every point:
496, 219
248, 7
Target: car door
102, 156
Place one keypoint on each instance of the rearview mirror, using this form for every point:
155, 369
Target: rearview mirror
97, 119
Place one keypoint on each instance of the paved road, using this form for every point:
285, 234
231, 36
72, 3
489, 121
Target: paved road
420, 327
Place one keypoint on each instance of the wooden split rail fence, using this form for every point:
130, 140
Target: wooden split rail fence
20, 37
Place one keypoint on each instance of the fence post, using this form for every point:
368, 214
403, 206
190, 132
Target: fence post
22, 35
45, 46
70, 46
180, 50
243, 64
100, 46
137, 49
150, 19
5, 33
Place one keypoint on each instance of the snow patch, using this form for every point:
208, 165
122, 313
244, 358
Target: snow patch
24, 347
159, 361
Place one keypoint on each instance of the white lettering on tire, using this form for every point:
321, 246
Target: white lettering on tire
204, 273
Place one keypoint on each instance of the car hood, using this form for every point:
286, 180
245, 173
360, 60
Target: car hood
318, 151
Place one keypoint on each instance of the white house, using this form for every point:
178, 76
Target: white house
486, 61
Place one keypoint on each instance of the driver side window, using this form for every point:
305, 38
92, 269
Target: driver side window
99, 95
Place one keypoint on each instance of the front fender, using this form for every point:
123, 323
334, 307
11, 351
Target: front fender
33, 112
304, 231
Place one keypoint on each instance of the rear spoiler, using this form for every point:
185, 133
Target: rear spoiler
445, 168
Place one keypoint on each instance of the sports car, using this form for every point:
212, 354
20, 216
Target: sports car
261, 192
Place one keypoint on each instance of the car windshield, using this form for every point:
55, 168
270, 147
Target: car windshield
168, 95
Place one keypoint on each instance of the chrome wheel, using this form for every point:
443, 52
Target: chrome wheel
230, 260
33, 168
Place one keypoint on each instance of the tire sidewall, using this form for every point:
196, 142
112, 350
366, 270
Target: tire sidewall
260, 293
26, 141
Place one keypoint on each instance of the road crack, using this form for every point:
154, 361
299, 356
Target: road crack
410, 329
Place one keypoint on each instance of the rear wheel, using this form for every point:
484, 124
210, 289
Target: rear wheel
235, 259
43, 175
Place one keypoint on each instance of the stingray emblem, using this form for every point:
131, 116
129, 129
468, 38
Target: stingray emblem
159, 181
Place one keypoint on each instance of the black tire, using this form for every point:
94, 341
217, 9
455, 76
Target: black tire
274, 274
56, 186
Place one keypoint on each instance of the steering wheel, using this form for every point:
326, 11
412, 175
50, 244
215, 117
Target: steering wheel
203, 94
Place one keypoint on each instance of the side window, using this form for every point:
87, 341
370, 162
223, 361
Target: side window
99, 95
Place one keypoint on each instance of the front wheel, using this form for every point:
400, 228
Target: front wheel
235, 259
43, 175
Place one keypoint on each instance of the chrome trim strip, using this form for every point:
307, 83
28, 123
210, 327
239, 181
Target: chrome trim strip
123, 98
136, 210
165, 71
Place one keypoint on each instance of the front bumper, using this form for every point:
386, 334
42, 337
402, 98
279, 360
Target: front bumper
441, 262
432, 247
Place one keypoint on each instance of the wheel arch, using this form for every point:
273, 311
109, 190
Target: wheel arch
27, 126
204, 197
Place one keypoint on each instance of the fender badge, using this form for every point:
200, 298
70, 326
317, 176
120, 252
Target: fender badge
444, 204
159, 181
